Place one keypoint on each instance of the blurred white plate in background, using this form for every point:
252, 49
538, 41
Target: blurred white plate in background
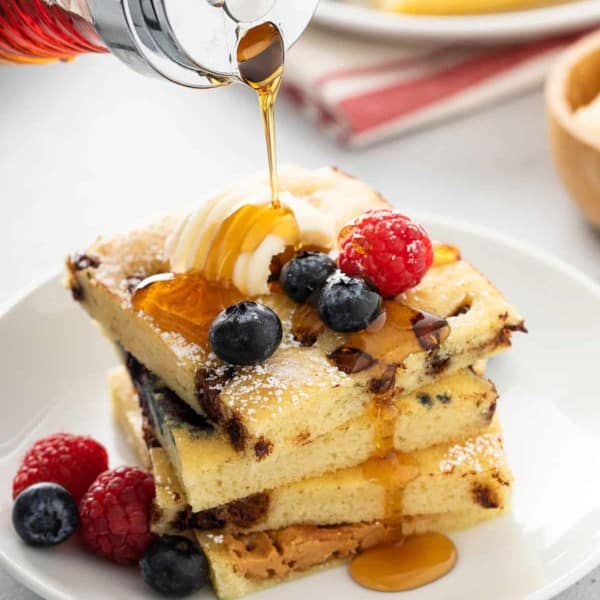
488, 28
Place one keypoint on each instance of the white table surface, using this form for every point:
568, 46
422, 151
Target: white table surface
91, 147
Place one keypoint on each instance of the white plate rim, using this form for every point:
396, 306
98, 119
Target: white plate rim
549, 591
486, 29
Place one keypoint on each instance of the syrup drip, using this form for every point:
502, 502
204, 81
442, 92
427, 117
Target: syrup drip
260, 56
445, 254
405, 565
398, 332
391, 469
413, 561
185, 303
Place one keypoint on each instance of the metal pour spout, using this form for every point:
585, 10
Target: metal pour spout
190, 42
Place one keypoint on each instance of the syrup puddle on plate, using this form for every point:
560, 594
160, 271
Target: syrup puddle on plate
405, 565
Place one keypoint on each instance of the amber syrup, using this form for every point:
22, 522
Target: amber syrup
403, 562
445, 254
407, 564
260, 56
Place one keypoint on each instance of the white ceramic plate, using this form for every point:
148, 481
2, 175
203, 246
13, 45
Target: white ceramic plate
52, 373
488, 29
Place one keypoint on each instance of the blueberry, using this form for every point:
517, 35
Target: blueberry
174, 566
305, 274
348, 304
246, 333
45, 514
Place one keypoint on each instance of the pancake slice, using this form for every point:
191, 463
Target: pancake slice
212, 474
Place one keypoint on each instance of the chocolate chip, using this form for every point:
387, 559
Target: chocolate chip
496, 475
385, 383
237, 433
248, 511
242, 513
491, 411
351, 360
436, 363
428, 329
519, 327
85, 261
505, 335
77, 291
72, 282
207, 519
209, 383
263, 448
463, 308
484, 496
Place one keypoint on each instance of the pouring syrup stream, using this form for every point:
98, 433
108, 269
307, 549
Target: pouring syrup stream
260, 56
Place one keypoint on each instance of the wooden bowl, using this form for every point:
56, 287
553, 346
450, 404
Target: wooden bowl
575, 82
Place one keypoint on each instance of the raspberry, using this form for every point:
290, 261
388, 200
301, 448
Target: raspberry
115, 514
387, 248
73, 461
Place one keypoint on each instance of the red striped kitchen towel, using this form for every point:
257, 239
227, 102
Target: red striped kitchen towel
363, 91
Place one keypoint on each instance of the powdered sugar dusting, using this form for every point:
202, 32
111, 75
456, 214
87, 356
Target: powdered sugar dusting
285, 381
476, 454
185, 351
288, 340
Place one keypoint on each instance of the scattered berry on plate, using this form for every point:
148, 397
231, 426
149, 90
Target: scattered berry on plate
45, 514
388, 249
174, 566
245, 333
73, 461
348, 304
305, 274
115, 514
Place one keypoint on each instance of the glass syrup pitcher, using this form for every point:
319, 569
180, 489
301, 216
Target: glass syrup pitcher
189, 42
